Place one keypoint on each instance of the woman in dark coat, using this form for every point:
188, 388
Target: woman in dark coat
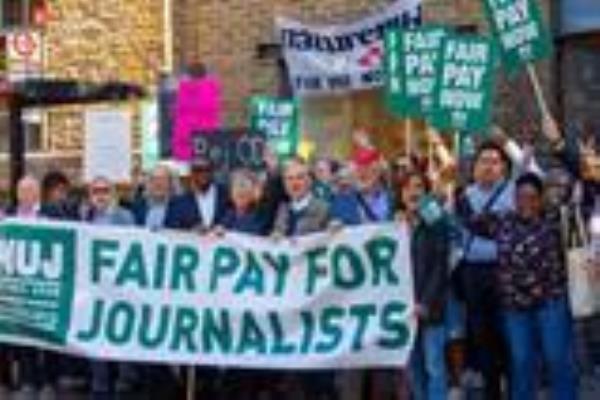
430, 253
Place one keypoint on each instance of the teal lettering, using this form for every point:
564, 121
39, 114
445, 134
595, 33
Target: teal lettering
281, 265
362, 313
225, 262
308, 324
133, 269
103, 256
315, 268
252, 278
345, 256
160, 267
393, 322
185, 263
216, 331
96, 321
154, 330
252, 339
186, 323
279, 344
330, 327
120, 322
382, 252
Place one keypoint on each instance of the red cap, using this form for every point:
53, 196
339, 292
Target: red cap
365, 156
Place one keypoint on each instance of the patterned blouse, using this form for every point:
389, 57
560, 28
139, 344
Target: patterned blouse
532, 261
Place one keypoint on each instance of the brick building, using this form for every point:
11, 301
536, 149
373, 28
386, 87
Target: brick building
94, 41
125, 40
236, 39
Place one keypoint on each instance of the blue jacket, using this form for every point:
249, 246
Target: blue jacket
348, 208
183, 213
253, 223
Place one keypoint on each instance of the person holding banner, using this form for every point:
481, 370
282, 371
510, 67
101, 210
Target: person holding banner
34, 367
104, 210
150, 210
430, 252
245, 216
304, 214
202, 208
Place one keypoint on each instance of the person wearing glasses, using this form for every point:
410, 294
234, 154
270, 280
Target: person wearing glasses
103, 209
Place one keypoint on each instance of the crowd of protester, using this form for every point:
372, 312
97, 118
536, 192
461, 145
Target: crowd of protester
488, 257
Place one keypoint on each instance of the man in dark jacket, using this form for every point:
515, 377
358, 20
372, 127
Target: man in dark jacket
203, 207
150, 208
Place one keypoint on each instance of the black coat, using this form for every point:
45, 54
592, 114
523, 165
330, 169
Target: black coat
430, 252
183, 212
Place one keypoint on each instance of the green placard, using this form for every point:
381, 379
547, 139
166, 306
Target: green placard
392, 69
278, 119
37, 270
411, 60
519, 28
464, 86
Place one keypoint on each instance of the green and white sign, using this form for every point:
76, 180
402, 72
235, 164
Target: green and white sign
37, 267
519, 28
464, 85
411, 58
278, 120
127, 294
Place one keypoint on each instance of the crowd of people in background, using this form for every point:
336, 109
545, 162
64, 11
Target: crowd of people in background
488, 255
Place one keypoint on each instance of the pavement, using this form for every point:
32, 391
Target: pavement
589, 390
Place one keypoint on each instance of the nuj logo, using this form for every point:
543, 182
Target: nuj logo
31, 258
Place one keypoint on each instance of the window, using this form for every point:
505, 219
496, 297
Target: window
21, 13
32, 127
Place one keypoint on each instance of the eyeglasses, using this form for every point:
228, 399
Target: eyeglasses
100, 190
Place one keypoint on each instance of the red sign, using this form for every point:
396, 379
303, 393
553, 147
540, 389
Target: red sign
25, 44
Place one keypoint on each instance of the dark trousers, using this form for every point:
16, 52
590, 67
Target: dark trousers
36, 367
319, 385
485, 344
5, 365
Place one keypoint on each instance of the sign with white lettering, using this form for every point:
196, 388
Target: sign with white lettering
519, 27
411, 58
278, 120
464, 87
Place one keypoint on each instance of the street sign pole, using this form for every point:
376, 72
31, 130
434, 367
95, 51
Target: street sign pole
17, 145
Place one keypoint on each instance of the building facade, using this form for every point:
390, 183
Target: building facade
87, 41
125, 40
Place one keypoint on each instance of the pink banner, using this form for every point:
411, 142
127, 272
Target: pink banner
198, 107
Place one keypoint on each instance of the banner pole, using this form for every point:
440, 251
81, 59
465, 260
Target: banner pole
408, 138
537, 89
191, 383
430, 148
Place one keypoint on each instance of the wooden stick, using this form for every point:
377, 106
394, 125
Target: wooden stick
408, 137
537, 89
430, 148
191, 383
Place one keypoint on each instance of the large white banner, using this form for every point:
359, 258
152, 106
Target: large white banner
342, 57
322, 301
